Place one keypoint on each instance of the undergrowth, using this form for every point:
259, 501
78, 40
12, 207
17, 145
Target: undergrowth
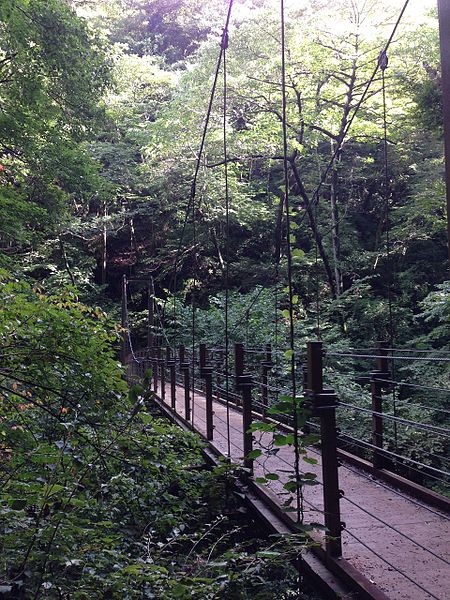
100, 497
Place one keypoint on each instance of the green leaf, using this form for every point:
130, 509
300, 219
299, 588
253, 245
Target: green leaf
290, 486
45, 459
283, 440
135, 392
132, 569
287, 399
254, 454
148, 377
310, 439
52, 489
180, 591
146, 418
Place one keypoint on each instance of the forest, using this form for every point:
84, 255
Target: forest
117, 159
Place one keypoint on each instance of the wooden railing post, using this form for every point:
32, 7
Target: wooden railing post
185, 369
267, 366
244, 385
206, 372
376, 388
324, 406
170, 361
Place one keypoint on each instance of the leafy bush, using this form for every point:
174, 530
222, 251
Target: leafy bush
100, 498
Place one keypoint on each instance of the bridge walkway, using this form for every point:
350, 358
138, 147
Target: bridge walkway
398, 543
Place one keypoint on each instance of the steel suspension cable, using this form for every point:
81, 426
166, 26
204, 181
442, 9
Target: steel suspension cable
127, 325
227, 237
315, 195
193, 302
199, 159
316, 271
324, 175
383, 63
373, 479
395, 418
409, 358
161, 321
277, 358
299, 495
191, 209
345, 437
420, 387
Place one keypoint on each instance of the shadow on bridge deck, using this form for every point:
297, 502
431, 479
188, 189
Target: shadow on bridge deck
397, 542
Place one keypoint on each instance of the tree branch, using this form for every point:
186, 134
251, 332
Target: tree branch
236, 159
318, 238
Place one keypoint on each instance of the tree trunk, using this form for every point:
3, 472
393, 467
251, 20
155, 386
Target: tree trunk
217, 247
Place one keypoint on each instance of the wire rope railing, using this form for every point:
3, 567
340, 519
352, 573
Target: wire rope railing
395, 457
407, 358
415, 424
284, 461
372, 479
273, 392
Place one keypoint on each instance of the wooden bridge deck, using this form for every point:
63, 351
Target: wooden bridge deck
398, 543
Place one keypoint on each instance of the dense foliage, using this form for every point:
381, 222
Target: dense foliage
101, 498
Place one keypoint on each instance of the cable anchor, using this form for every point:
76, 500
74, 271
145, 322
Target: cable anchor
224, 40
383, 60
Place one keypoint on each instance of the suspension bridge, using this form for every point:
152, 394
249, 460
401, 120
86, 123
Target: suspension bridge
378, 532
335, 463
